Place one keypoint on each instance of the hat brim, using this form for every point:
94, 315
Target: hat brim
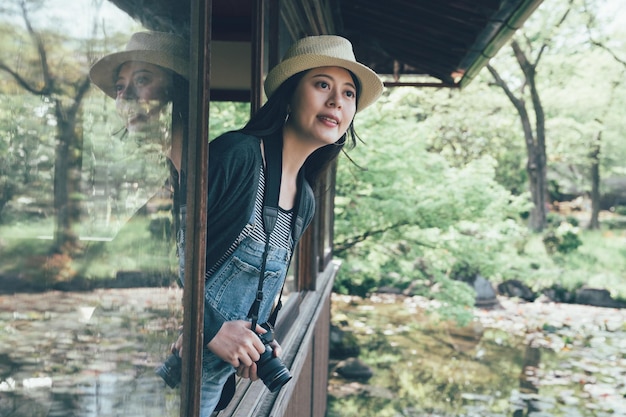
102, 73
371, 85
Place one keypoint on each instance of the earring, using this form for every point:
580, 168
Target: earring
287, 117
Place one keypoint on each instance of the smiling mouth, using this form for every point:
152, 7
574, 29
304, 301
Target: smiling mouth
329, 120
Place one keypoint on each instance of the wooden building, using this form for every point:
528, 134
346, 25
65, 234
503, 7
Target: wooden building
233, 44
448, 40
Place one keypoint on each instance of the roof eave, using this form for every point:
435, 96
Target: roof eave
503, 25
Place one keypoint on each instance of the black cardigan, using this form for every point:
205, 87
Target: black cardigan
235, 162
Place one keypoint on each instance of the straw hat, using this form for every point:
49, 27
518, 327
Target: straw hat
159, 48
325, 51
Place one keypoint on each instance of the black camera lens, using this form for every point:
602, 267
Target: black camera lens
171, 370
272, 371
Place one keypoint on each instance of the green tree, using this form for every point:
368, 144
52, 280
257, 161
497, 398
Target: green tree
27, 150
519, 88
404, 217
599, 39
566, 104
39, 69
467, 125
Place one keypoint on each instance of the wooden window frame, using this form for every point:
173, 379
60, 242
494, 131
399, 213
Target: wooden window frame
313, 266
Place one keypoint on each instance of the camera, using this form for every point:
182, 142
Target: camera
271, 369
171, 370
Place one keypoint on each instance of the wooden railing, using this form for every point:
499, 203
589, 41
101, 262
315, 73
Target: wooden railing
305, 353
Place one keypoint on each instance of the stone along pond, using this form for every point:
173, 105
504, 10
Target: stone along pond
93, 354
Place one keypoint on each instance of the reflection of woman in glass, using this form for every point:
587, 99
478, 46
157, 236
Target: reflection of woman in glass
144, 80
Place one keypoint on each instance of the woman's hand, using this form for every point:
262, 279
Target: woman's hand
177, 346
236, 344
250, 372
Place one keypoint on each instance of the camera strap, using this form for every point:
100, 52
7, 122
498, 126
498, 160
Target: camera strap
273, 173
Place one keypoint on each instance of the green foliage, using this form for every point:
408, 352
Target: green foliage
407, 217
26, 155
226, 116
562, 239
464, 271
463, 136
437, 192
436, 198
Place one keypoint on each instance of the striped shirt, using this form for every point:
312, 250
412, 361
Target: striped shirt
281, 235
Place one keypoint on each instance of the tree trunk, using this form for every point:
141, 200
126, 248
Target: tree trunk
67, 175
536, 169
535, 140
594, 221
69, 148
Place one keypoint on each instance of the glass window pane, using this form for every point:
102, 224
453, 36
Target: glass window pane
89, 302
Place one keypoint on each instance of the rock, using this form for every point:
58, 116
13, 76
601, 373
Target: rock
597, 297
342, 344
129, 279
516, 288
559, 294
389, 290
355, 369
485, 294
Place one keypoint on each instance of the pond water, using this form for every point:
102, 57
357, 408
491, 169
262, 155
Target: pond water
522, 359
89, 354
93, 354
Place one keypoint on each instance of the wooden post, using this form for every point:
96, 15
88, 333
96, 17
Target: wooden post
197, 168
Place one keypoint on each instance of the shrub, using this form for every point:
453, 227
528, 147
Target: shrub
564, 239
45, 271
463, 271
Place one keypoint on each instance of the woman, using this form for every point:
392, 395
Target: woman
313, 96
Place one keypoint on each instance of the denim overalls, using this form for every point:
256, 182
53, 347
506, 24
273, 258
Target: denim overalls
231, 291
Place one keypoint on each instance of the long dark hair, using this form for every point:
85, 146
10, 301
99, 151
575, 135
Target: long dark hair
269, 120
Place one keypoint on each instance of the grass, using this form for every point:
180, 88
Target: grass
26, 254
599, 262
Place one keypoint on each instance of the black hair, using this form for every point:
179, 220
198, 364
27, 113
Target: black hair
180, 96
269, 120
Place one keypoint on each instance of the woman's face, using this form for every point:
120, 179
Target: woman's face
143, 91
323, 105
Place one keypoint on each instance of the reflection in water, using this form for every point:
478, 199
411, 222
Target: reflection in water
524, 360
105, 395
87, 354
528, 383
